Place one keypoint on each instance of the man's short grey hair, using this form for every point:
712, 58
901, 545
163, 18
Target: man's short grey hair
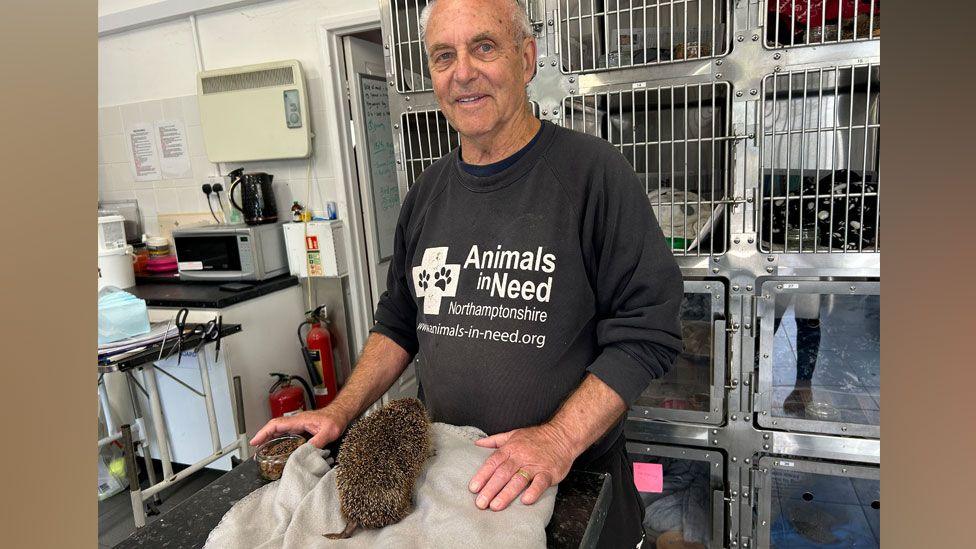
520, 21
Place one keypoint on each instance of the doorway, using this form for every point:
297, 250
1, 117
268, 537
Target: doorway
369, 169
372, 140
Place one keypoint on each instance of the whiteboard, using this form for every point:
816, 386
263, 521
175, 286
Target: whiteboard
381, 160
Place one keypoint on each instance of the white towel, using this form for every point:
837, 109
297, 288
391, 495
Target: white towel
296, 510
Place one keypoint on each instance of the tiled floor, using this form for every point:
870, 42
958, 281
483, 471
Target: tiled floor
115, 522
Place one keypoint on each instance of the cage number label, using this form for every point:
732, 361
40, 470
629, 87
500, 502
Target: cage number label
649, 477
639, 85
786, 463
790, 286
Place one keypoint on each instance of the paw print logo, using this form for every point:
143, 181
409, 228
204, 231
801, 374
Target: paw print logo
442, 278
434, 279
424, 280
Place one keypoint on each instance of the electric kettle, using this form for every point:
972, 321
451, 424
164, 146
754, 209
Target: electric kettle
257, 196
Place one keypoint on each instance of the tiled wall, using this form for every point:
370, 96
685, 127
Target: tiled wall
116, 180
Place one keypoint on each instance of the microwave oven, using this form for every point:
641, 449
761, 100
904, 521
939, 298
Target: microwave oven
231, 252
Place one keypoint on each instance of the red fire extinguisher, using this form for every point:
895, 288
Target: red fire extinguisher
317, 350
286, 399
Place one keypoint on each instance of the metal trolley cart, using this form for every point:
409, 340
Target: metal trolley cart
196, 340
755, 126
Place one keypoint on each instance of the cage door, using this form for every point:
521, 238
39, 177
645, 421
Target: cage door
807, 505
819, 357
682, 491
820, 187
693, 389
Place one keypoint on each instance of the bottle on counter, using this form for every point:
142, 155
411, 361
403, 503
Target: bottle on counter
296, 212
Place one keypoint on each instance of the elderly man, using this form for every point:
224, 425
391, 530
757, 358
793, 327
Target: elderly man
530, 281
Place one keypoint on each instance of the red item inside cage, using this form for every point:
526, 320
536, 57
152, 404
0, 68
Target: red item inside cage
818, 11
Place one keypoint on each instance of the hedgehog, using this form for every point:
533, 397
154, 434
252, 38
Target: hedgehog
379, 462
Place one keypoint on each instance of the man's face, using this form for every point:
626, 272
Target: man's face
478, 69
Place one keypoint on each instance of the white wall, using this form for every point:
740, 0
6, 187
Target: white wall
112, 6
151, 72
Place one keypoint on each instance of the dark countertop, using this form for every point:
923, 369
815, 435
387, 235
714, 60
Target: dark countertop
170, 292
577, 520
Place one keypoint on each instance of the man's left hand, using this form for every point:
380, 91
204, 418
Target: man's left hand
530, 459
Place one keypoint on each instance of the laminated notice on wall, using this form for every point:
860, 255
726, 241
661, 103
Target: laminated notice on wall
142, 152
174, 160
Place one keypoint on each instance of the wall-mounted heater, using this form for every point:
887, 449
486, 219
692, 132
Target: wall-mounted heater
254, 112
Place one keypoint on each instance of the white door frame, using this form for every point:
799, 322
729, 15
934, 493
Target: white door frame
343, 159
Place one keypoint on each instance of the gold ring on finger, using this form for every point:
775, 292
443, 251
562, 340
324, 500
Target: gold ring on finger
524, 475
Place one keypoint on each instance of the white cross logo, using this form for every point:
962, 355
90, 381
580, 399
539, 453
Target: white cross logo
434, 279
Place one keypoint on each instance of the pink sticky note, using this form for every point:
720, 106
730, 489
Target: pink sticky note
649, 477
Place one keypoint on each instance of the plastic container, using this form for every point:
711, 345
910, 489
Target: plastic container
115, 268
272, 455
161, 264
111, 464
157, 246
142, 258
111, 232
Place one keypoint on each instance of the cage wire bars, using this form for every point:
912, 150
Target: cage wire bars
755, 127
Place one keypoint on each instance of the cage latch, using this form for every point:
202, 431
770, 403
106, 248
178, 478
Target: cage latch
731, 328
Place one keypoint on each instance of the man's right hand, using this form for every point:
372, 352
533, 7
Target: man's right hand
325, 425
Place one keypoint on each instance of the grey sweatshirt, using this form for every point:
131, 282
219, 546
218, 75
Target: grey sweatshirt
507, 289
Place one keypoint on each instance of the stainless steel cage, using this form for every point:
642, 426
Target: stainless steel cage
820, 187
409, 57
819, 363
596, 35
692, 390
427, 136
691, 488
792, 23
677, 139
802, 503
761, 156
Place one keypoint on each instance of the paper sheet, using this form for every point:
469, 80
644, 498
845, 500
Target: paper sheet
142, 152
174, 160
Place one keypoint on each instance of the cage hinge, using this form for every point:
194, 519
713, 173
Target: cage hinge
760, 401
756, 299
757, 482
